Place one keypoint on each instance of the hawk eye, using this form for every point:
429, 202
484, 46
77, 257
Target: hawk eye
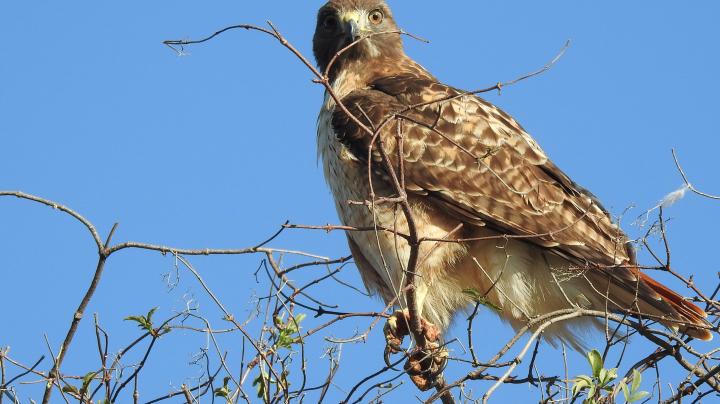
376, 17
330, 23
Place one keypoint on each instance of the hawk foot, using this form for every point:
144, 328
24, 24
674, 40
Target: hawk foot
423, 365
397, 328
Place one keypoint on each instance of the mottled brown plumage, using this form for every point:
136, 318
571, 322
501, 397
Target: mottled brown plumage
469, 166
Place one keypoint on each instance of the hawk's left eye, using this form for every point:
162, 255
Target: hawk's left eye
376, 17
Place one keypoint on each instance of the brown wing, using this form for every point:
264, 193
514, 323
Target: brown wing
480, 164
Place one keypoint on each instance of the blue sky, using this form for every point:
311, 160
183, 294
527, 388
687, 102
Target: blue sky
217, 149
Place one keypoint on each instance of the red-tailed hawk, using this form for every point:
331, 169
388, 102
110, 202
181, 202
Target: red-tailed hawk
471, 171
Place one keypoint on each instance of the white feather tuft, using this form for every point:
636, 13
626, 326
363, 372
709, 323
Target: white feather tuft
673, 197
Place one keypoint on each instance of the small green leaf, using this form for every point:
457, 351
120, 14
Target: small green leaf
607, 376
480, 298
624, 389
596, 362
145, 322
637, 396
300, 318
150, 314
137, 319
223, 391
586, 379
87, 379
603, 376
287, 333
473, 293
591, 391
582, 382
636, 380
71, 389
260, 384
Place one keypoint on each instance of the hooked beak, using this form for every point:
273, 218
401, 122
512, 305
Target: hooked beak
351, 26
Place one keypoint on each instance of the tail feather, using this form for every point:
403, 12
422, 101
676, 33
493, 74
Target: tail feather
630, 290
688, 312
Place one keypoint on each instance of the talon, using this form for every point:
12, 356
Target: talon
386, 356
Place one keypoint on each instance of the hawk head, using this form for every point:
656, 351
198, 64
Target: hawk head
340, 22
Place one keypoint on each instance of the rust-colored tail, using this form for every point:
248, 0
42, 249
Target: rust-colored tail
686, 311
630, 290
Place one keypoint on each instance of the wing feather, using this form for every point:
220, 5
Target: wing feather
480, 164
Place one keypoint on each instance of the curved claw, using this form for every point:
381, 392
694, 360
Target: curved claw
395, 332
386, 357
